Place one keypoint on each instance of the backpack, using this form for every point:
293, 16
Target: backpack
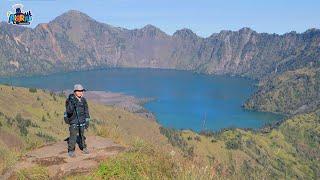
67, 117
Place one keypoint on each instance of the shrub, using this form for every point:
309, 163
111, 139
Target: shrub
46, 137
232, 144
44, 119
208, 133
175, 139
9, 121
33, 124
23, 124
32, 90
197, 138
213, 140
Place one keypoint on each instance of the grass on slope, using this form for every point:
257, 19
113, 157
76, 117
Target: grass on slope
289, 151
30, 118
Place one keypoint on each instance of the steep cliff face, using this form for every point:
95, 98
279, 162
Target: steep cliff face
74, 41
256, 55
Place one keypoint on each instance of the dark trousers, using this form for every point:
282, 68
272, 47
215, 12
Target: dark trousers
75, 138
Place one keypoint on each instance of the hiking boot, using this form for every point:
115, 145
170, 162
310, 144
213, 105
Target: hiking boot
71, 154
85, 151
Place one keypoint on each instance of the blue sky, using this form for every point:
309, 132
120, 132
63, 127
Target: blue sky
204, 17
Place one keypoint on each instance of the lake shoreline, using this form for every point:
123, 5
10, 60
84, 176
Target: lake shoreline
136, 105
119, 100
183, 98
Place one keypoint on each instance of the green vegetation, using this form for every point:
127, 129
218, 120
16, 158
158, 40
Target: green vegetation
33, 90
289, 150
142, 161
146, 161
8, 157
36, 172
174, 137
292, 92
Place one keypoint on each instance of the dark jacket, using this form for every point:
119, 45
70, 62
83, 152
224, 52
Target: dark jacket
77, 111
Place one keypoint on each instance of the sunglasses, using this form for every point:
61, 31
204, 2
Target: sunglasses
78, 90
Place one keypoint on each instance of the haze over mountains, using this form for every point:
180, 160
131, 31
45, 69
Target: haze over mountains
74, 41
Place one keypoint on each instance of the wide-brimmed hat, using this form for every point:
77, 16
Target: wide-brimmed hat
78, 87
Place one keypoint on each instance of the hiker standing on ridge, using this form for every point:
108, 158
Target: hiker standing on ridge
77, 116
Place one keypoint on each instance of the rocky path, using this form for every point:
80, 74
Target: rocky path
55, 157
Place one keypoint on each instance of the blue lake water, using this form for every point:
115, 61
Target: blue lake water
184, 100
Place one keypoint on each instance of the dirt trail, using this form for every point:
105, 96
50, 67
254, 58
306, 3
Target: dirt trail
55, 157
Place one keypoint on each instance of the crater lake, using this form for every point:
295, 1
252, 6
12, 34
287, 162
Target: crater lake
184, 100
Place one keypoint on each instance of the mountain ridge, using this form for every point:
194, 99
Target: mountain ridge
81, 14
74, 41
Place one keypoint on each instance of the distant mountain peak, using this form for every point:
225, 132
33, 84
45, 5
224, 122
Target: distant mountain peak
72, 11
246, 29
225, 31
151, 29
312, 30
185, 33
75, 13
72, 15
